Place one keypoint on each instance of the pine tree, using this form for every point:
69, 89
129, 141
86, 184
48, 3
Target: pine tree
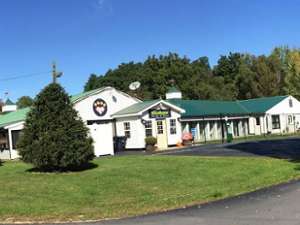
54, 137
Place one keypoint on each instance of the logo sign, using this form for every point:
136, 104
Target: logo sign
100, 107
159, 113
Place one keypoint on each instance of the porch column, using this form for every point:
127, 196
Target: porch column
10, 145
198, 131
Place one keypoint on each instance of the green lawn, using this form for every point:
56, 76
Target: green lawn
132, 185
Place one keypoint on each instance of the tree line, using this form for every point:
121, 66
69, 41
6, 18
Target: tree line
235, 76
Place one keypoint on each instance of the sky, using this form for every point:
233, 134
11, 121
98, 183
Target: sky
92, 36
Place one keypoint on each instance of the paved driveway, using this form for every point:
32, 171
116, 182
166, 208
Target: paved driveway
284, 148
275, 206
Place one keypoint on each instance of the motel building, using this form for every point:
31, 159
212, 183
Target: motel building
109, 114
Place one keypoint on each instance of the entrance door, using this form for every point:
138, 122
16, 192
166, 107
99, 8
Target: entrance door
162, 137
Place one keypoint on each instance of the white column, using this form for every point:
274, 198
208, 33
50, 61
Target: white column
198, 131
10, 145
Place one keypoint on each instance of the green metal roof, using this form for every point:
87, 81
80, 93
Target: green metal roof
193, 108
9, 102
76, 97
261, 105
198, 108
136, 108
13, 117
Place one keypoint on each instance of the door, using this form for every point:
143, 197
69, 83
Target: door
236, 131
102, 135
162, 136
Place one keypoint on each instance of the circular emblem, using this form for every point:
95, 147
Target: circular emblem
100, 107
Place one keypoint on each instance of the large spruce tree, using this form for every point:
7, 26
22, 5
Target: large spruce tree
54, 137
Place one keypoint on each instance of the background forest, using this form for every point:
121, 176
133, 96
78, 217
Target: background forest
236, 76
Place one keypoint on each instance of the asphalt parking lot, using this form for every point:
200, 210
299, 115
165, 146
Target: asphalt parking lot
282, 148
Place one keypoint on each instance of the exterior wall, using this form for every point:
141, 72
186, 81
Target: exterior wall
255, 129
137, 132
5, 155
173, 95
9, 108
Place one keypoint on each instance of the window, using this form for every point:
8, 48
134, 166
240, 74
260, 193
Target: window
290, 119
257, 121
172, 126
127, 129
275, 122
148, 128
160, 128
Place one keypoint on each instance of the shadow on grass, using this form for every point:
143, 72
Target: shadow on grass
87, 166
288, 149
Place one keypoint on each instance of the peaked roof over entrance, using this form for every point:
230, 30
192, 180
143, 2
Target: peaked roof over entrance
140, 107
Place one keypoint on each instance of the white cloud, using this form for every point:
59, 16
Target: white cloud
103, 6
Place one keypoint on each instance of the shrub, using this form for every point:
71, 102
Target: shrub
150, 140
54, 137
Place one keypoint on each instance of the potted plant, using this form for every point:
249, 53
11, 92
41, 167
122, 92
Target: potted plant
150, 143
187, 138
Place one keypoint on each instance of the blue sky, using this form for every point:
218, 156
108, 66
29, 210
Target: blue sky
92, 36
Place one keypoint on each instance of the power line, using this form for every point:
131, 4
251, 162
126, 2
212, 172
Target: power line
24, 76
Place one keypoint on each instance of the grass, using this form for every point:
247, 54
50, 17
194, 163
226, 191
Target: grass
132, 185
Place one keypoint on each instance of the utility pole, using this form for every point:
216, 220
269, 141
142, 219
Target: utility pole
55, 74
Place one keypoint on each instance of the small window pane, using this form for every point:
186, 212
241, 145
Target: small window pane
160, 129
127, 129
173, 126
148, 128
275, 122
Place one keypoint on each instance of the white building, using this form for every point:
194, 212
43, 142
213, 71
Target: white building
109, 113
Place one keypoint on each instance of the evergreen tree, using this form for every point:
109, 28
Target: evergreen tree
54, 137
24, 101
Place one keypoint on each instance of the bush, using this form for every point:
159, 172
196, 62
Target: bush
54, 137
150, 140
